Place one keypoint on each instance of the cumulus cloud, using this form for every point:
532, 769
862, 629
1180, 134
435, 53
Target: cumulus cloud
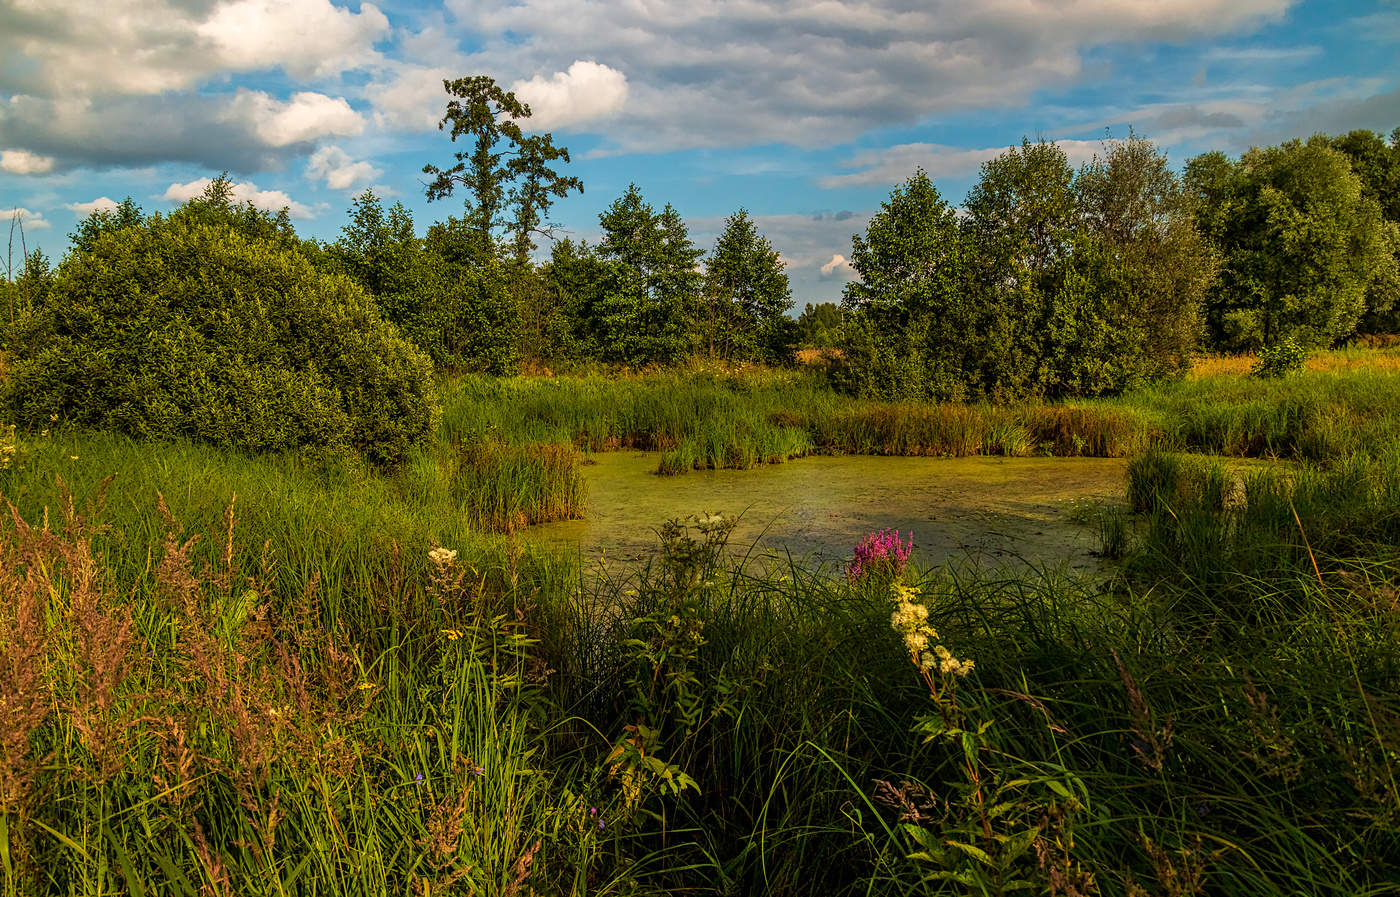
334, 166
243, 132
838, 263
268, 200
128, 70
893, 165
411, 98
18, 161
146, 47
305, 38
586, 92
305, 117
100, 204
818, 72
27, 218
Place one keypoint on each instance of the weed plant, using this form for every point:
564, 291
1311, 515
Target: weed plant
330, 685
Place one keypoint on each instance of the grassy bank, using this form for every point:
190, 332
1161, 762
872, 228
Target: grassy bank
707, 419
309, 698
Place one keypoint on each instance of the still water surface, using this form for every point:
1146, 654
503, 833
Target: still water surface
997, 510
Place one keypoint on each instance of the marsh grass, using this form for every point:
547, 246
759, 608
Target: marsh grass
190, 714
296, 674
706, 419
504, 487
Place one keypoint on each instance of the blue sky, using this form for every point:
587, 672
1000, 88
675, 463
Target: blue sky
805, 112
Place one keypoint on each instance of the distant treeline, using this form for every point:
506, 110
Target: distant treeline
1057, 282
1049, 281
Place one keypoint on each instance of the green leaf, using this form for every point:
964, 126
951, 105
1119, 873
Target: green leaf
975, 852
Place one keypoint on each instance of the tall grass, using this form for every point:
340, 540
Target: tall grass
503, 487
705, 419
309, 699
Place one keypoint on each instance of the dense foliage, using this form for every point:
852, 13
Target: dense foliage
346, 686
1047, 282
1304, 248
453, 303
746, 297
819, 326
1053, 283
197, 325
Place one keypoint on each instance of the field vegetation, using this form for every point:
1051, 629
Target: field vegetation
272, 622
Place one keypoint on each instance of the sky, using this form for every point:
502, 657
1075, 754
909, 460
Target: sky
805, 112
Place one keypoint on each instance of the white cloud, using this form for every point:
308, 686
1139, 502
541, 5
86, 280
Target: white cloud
305, 38
412, 99
100, 204
268, 200
18, 161
334, 166
27, 218
818, 72
587, 92
1261, 54
147, 47
838, 263
243, 131
306, 116
893, 165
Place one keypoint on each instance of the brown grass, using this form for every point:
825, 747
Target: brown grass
1335, 361
818, 357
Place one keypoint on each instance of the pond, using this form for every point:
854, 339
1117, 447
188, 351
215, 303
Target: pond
998, 511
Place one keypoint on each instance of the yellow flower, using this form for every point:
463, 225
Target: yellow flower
366, 686
908, 616
452, 634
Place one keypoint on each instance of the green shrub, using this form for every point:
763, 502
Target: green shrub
187, 327
1281, 359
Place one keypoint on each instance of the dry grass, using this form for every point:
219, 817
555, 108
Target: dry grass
1334, 361
818, 357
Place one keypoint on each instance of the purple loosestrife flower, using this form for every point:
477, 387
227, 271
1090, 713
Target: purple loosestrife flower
880, 551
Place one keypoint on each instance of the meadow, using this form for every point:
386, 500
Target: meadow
225, 673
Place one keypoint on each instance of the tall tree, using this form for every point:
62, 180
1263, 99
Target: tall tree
379, 249
1301, 244
1132, 201
910, 326
1022, 216
503, 169
1377, 164
648, 313
535, 187
819, 326
746, 297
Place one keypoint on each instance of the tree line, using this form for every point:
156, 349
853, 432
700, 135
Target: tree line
1054, 281
1049, 280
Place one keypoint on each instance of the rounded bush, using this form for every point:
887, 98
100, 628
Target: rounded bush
186, 328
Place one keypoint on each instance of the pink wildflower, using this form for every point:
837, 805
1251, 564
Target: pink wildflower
882, 551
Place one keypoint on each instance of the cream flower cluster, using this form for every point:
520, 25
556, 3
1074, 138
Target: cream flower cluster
442, 556
910, 619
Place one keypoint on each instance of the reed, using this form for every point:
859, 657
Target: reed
336, 684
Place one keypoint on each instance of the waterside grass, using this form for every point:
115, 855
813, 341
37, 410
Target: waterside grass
710, 419
341, 688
